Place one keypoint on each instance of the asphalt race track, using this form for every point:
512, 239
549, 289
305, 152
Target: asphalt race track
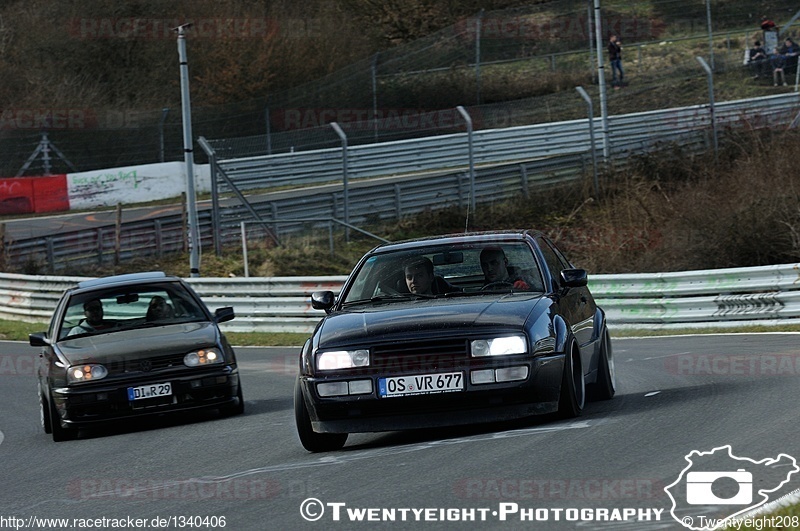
675, 395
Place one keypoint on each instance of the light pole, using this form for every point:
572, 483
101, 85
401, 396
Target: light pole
186, 112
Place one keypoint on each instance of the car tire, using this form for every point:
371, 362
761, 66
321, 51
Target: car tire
606, 385
44, 412
573, 386
59, 432
311, 440
237, 409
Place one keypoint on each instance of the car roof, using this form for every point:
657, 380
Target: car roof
129, 278
449, 239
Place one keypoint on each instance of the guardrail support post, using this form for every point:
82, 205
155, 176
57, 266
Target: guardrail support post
710, 75
244, 248
468, 120
215, 216
159, 238
590, 112
330, 236
51, 260
397, 201
343, 137
523, 171
99, 246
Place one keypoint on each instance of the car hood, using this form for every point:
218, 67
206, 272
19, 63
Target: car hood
140, 343
436, 317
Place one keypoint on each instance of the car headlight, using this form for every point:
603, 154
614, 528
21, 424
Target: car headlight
86, 373
498, 346
342, 359
202, 357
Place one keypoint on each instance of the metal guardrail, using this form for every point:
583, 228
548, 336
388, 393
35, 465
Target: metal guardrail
627, 133
732, 298
545, 155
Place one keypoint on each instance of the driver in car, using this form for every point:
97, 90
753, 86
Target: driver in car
93, 322
497, 271
421, 280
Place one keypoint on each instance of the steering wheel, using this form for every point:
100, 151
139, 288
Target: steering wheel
498, 284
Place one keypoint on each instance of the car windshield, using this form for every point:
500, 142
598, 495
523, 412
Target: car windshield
463, 269
125, 308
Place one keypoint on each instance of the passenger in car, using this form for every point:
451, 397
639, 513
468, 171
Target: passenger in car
158, 309
496, 270
421, 280
93, 321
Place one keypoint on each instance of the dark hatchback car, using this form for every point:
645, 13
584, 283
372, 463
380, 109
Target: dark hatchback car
133, 345
452, 330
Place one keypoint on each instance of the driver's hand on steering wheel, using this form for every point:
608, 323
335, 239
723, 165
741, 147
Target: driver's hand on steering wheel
521, 284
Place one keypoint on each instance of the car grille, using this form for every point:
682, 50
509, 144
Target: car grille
155, 363
432, 355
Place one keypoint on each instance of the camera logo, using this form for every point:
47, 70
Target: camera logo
717, 485
699, 488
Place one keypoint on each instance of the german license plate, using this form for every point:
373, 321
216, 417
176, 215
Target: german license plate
422, 384
149, 391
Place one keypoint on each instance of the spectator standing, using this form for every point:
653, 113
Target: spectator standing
615, 57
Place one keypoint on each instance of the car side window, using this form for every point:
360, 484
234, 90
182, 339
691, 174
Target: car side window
553, 263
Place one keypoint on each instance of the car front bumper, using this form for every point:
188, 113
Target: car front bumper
477, 403
108, 401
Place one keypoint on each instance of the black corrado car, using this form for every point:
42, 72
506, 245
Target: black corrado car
133, 345
452, 330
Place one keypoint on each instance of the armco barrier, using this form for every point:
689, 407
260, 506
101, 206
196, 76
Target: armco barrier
726, 298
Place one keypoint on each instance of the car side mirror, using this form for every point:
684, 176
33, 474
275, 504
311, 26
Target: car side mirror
224, 314
322, 300
38, 339
574, 278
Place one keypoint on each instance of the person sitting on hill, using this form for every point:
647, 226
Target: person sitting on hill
778, 63
758, 60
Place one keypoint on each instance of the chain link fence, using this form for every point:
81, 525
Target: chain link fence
512, 67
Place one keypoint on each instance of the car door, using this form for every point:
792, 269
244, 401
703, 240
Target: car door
576, 303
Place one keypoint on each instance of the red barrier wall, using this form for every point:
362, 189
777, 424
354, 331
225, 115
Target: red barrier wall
27, 195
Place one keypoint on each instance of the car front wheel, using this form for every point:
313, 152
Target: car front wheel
59, 432
44, 412
573, 385
311, 440
606, 384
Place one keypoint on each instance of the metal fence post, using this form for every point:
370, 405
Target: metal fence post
343, 137
244, 248
601, 78
398, 208
269, 130
523, 173
164, 113
478, 25
188, 159
590, 111
710, 75
159, 238
468, 120
100, 246
710, 34
51, 254
374, 72
215, 214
